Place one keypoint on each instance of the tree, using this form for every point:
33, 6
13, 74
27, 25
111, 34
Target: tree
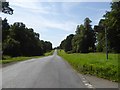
112, 25
78, 39
28, 39
89, 36
48, 46
5, 29
62, 45
68, 43
100, 35
11, 47
112, 20
84, 39
6, 9
23, 41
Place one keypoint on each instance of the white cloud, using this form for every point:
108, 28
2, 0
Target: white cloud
34, 19
36, 16
24, 3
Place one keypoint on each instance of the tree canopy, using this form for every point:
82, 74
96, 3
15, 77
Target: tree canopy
88, 39
112, 24
83, 41
18, 40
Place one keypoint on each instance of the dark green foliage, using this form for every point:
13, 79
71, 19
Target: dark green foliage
18, 40
11, 47
62, 45
78, 39
86, 38
67, 43
83, 41
5, 28
112, 24
6, 9
89, 37
100, 34
48, 46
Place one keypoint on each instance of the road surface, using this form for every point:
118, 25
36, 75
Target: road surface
48, 72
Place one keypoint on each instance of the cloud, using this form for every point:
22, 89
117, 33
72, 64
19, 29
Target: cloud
24, 3
33, 15
50, 19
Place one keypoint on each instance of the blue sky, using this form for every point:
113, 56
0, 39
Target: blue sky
55, 20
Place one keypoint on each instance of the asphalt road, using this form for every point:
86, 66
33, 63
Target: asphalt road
47, 72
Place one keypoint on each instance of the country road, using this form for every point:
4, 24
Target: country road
48, 72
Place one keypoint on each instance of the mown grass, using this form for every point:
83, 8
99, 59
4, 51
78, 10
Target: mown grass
94, 64
8, 59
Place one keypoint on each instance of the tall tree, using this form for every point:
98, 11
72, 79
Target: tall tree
112, 25
89, 37
112, 19
84, 39
68, 43
78, 39
100, 35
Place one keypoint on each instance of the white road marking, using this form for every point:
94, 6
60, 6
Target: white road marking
86, 82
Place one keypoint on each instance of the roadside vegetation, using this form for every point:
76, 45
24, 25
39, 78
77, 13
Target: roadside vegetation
85, 50
19, 42
49, 53
94, 64
103, 37
9, 59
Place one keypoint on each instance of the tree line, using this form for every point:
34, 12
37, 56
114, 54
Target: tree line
18, 40
87, 39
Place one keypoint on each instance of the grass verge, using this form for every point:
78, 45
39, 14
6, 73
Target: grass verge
94, 64
8, 59
49, 53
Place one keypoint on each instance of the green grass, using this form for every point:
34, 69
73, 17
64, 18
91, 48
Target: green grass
94, 64
15, 59
49, 53
8, 59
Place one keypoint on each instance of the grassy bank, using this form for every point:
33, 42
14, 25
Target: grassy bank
8, 59
94, 64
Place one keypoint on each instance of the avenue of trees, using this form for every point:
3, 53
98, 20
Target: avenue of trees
18, 40
88, 39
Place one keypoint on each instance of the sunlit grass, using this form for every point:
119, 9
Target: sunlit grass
94, 64
49, 53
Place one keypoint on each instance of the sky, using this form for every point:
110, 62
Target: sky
54, 20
